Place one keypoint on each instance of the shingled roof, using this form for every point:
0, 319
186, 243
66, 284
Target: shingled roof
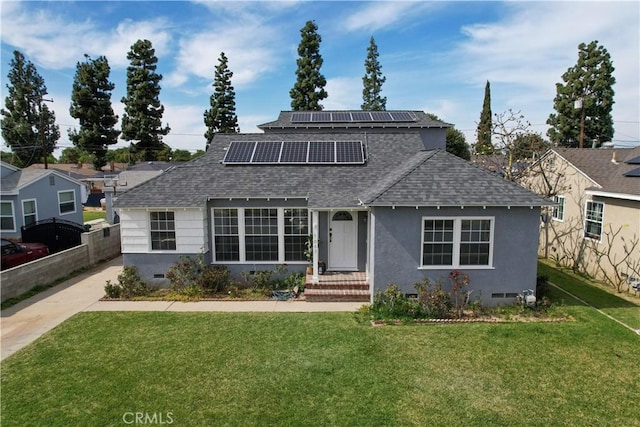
606, 167
397, 170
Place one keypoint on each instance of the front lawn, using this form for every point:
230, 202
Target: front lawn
317, 369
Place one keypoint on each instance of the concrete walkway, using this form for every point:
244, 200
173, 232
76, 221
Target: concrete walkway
24, 322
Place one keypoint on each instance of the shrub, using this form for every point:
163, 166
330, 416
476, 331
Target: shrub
393, 304
434, 302
214, 279
112, 290
129, 284
193, 277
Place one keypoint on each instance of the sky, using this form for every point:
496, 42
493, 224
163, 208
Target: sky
436, 56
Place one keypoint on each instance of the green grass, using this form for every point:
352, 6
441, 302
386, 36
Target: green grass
317, 369
91, 215
606, 300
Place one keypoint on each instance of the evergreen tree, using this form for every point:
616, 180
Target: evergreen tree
455, 140
483, 143
590, 82
308, 89
221, 118
28, 126
372, 81
91, 105
142, 119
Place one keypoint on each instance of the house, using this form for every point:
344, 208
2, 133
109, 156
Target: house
595, 228
31, 195
377, 192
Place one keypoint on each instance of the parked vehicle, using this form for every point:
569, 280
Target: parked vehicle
14, 254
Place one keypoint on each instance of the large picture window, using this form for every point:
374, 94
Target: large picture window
266, 235
7, 221
593, 220
163, 231
457, 242
67, 201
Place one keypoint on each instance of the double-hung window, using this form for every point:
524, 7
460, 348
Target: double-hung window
67, 201
457, 242
7, 221
163, 231
29, 212
593, 220
266, 235
558, 211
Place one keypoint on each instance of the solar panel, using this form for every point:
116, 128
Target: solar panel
634, 161
300, 117
294, 152
341, 117
267, 152
239, 152
321, 117
633, 173
349, 152
361, 116
380, 116
401, 116
322, 152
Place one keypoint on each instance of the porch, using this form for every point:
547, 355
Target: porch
338, 286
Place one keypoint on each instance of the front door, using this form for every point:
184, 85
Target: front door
343, 246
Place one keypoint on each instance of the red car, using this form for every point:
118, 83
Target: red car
18, 253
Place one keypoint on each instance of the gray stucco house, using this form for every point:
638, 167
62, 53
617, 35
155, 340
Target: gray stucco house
376, 190
31, 195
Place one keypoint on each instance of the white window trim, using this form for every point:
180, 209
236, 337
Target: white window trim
241, 236
584, 224
75, 203
457, 220
555, 209
175, 232
13, 216
24, 215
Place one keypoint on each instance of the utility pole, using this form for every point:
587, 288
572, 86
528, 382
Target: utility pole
579, 104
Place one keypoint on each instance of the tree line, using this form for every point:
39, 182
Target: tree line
29, 128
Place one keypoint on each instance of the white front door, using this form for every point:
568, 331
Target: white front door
343, 244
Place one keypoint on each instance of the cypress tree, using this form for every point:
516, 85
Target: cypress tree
28, 125
308, 90
590, 82
142, 119
373, 80
483, 143
91, 105
221, 118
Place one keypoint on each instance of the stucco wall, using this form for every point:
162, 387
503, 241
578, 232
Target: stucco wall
397, 246
95, 247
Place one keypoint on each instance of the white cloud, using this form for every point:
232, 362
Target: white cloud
384, 14
345, 93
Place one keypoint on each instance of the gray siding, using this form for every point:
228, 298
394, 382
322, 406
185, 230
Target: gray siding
434, 138
398, 247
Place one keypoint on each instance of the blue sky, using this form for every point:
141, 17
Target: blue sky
436, 56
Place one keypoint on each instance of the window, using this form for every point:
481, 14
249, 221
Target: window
67, 201
163, 231
227, 239
457, 242
593, 220
558, 211
29, 212
261, 234
296, 232
7, 222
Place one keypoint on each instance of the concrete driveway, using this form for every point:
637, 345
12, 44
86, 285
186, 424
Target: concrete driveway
26, 321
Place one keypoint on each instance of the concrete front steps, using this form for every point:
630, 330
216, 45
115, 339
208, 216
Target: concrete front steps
338, 287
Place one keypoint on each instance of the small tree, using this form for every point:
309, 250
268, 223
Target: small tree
484, 131
91, 105
221, 118
590, 83
456, 143
373, 80
28, 125
142, 119
308, 90
510, 128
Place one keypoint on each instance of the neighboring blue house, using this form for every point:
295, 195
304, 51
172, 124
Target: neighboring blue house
377, 191
30, 195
